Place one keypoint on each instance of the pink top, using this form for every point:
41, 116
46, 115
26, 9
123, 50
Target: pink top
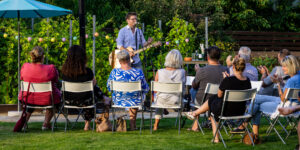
38, 73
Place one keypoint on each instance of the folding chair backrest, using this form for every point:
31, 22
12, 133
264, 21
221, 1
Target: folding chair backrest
189, 80
292, 93
256, 85
239, 96
211, 88
77, 87
126, 86
36, 87
166, 87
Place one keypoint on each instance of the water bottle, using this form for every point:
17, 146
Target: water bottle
196, 55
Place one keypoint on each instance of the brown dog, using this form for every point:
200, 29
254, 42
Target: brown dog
103, 123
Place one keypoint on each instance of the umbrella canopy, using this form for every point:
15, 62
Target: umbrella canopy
29, 9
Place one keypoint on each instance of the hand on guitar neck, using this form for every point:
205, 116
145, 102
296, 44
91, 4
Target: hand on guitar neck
115, 62
131, 50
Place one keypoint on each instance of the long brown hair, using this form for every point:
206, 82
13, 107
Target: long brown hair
75, 63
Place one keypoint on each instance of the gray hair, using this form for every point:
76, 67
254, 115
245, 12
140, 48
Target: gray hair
245, 52
123, 56
173, 59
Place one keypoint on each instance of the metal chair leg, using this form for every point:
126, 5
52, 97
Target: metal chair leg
219, 126
113, 126
150, 120
249, 135
54, 120
176, 120
179, 115
66, 124
94, 118
26, 121
142, 121
200, 126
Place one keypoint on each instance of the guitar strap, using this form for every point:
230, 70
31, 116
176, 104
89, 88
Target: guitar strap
136, 43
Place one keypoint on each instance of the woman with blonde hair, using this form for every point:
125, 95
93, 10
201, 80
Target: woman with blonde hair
215, 102
264, 103
172, 73
38, 72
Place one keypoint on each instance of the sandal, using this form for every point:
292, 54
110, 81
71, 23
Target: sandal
190, 129
189, 115
212, 141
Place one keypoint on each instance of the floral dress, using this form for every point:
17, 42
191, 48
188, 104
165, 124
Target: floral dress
128, 99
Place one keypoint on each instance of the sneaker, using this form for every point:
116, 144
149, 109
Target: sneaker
237, 131
189, 115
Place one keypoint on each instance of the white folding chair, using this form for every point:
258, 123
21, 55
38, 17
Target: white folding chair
292, 93
39, 87
117, 86
235, 96
210, 89
172, 88
189, 80
256, 85
78, 87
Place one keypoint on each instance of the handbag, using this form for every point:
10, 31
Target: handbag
103, 124
247, 140
21, 122
121, 124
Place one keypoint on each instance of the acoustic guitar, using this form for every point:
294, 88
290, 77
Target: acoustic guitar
114, 61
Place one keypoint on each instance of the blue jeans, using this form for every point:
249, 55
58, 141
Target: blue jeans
193, 93
137, 65
263, 103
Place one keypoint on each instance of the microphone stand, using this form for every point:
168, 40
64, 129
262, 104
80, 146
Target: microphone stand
145, 57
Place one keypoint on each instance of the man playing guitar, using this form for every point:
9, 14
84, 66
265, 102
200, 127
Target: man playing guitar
131, 36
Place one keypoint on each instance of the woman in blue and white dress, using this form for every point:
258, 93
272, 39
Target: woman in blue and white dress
128, 74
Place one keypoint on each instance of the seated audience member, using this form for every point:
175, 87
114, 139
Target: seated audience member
250, 71
38, 72
212, 73
265, 103
172, 73
128, 74
268, 85
74, 70
290, 110
214, 103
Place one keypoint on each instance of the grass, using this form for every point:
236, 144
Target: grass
165, 138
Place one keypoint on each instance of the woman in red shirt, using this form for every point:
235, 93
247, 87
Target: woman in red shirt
37, 72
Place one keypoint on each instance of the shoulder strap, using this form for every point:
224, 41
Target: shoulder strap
136, 43
26, 98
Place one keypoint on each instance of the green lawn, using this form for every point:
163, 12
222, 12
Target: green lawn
165, 138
